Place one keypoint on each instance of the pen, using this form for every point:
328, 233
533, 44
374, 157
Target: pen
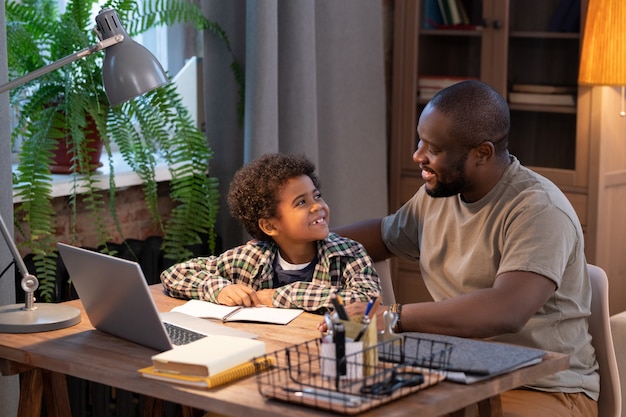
366, 323
232, 313
372, 310
368, 308
339, 307
348, 400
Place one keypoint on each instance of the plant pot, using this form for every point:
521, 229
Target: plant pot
63, 156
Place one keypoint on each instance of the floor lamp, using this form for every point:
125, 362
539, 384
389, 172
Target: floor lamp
129, 70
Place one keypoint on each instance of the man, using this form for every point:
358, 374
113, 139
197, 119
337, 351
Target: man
500, 248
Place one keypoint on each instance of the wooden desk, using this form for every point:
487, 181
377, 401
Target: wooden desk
83, 352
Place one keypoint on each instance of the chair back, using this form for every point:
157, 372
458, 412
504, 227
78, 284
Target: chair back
384, 275
610, 401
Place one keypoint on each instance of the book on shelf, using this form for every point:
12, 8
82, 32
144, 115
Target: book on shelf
208, 356
429, 85
439, 81
444, 6
221, 378
432, 14
543, 99
566, 17
455, 15
208, 310
544, 88
463, 11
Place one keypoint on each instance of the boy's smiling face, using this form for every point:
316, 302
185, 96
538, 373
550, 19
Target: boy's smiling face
301, 215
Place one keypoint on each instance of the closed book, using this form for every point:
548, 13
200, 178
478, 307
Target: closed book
544, 99
208, 356
221, 378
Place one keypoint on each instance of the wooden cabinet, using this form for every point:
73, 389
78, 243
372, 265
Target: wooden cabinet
508, 43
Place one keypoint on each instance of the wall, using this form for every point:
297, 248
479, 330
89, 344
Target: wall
607, 189
133, 215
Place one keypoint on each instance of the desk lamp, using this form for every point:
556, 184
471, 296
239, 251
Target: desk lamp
129, 70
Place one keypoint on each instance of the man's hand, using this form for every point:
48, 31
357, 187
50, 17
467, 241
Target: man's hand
238, 295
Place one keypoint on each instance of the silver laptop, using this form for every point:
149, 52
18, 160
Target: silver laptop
117, 301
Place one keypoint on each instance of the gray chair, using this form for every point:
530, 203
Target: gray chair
384, 274
610, 402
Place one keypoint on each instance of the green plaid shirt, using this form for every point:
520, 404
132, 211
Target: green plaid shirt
343, 266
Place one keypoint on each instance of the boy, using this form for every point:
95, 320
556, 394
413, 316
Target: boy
293, 261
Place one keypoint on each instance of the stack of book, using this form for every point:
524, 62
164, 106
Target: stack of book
429, 85
551, 95
208, 362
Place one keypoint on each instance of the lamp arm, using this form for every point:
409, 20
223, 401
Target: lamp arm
12, 248
29, 282
103, 44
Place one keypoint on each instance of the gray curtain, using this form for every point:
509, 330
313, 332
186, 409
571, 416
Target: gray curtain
314, 84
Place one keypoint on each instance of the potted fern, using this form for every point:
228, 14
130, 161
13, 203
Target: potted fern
61, 105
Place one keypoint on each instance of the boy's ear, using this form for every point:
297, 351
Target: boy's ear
267, 227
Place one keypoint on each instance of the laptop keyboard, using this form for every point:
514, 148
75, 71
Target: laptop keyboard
181, 336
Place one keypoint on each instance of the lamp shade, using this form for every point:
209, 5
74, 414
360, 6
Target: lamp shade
603, 58
129, 70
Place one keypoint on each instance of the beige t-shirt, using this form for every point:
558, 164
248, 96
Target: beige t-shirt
524, 224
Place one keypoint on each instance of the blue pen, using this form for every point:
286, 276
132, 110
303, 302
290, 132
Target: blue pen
370, 304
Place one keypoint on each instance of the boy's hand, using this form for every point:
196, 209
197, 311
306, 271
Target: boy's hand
266, 297
238, 295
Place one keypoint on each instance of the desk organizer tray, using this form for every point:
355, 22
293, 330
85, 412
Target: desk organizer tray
308, 375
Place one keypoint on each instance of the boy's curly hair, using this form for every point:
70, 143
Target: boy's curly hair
253, 192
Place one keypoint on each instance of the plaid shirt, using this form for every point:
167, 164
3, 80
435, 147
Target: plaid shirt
343, 265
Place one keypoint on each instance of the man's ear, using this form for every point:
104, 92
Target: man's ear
484, 152
267, 227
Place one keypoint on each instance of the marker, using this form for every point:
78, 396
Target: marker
339, 338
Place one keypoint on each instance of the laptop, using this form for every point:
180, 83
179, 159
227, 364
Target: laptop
117, 300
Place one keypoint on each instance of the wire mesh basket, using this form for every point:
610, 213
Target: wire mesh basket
309, 373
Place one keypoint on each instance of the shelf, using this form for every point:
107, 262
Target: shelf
542, 108
62, 185
545, 35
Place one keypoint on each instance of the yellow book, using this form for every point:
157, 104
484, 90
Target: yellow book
221, 378
208, 356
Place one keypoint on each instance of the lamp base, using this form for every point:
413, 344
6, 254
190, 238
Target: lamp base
14, 319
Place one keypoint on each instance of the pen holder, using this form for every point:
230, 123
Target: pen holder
363, 360
369, 339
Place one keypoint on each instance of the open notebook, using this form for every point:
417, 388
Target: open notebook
208, 310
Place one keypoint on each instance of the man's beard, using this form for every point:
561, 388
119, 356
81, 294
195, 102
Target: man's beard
448, 189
